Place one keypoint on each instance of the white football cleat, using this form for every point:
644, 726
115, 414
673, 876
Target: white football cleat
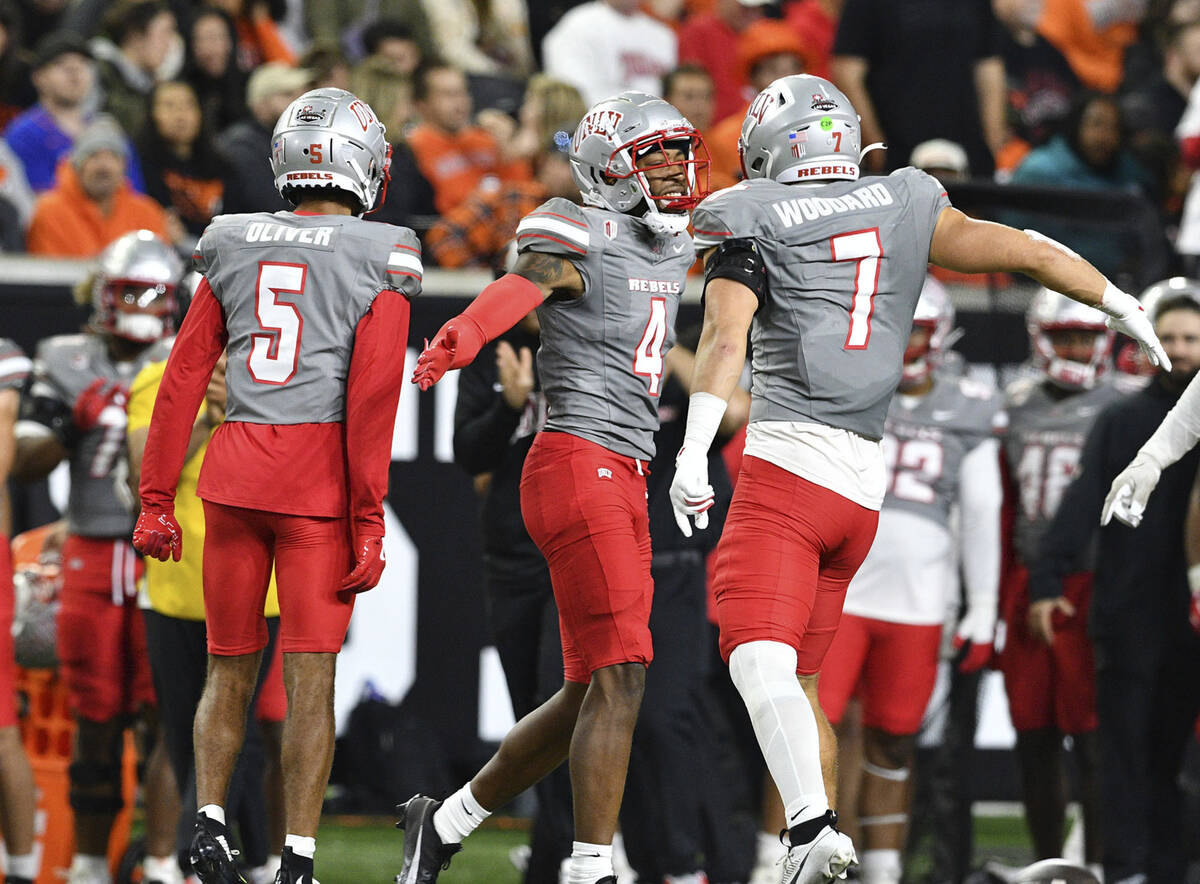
824, 858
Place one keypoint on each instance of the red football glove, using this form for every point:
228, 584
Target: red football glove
157, 535
99, 394
368, 568
437, 357
975, 656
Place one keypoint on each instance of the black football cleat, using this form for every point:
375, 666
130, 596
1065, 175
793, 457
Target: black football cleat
295, 869
210, 853
425, 856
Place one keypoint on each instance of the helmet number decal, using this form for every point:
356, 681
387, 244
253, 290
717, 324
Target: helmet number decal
275, 354
314, 153
864, 248
837, 141
648, 358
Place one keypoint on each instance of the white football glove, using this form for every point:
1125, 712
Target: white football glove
691, 495
1128, 317
1130, 492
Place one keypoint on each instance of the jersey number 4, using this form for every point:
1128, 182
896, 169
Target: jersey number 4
275, 354
864, 248
648, 358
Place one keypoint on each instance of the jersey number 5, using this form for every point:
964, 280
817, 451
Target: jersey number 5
648, 359
274, 355
864, 248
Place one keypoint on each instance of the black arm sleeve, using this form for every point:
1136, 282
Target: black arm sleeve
739, 260
483, 422
1077, 518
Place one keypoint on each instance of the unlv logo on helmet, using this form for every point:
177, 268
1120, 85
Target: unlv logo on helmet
762, 103
604, 122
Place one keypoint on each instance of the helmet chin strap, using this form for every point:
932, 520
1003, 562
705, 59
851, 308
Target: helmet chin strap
664, 222
875, 145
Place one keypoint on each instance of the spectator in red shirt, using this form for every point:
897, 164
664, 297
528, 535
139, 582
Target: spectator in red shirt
453, 155
705, 39
766, 51
815, 22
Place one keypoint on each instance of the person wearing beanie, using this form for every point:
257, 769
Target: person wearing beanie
92, 202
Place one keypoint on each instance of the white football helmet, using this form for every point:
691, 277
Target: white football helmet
133, 292
1166, 290
1051, 311
330, 138
935, 311
611, 137
801, 128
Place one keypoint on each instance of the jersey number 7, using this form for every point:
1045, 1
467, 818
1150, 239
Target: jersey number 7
864, 248
275, 354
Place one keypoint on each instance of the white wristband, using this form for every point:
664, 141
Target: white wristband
1116, 303
1193, 574
704, 417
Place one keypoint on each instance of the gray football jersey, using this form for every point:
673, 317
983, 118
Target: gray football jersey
925, 445
601, 356
14, 365
845, 263
293, 289
1042, 446
64, 367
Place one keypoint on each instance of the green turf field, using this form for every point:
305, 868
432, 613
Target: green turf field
367, 850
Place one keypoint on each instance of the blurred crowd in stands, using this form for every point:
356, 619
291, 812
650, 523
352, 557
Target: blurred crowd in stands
158, 113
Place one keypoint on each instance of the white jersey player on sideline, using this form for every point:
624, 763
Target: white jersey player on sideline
823, 271
942, 454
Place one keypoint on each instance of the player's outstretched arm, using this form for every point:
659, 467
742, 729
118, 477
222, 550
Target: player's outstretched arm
1175, 437
498, 308
730, 303
197, 348
968, 245
372, 392
981, 497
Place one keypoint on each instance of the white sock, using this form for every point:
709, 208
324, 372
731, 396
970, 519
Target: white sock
764, 673
214, 812
23, 866
301, 845
880, 866
459, 816
771, 849
91, 868
589, 862
162, 868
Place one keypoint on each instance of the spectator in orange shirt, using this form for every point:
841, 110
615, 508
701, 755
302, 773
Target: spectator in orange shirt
766, 51
477, 233
92, 203
706, 39
454, 156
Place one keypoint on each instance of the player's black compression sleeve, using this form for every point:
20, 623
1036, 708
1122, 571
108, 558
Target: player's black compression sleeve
483, 421
1075, 522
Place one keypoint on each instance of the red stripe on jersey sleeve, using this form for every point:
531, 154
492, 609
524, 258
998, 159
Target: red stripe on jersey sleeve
406, 248
556, 215
562, 242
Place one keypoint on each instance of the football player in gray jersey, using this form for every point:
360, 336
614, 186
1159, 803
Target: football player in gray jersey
943, 454
823, 271
74, 410
312, 306
605, 281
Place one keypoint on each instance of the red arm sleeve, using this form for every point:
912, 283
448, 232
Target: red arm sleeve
189, 367
372, 392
